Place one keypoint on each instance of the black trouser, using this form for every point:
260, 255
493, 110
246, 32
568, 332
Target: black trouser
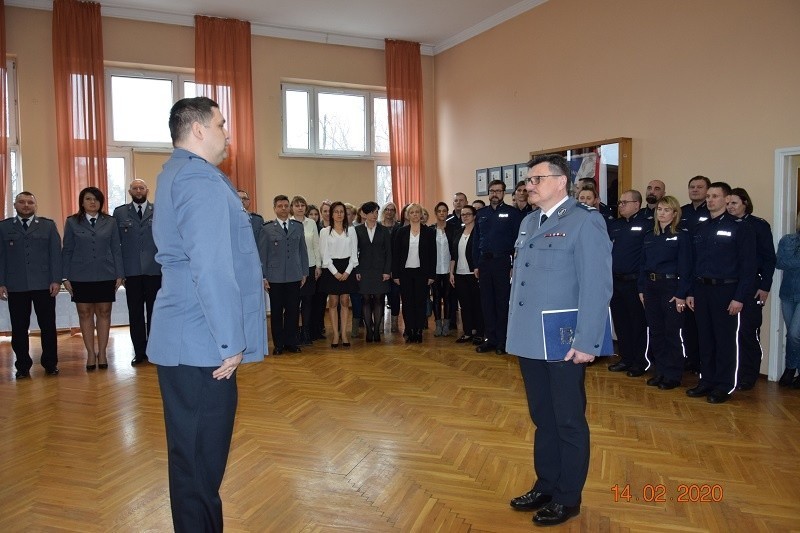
373, 312
469, 298
630, 324
557, 405
719, 350
691, 341
199, 412
441, 296
394, 299
19, 309
665, 322
750, 342
414, 294
319, 306
141, 294
284, 307
495, 287
307, 294
452, 309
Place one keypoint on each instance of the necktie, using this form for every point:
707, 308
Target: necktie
140, 212
25, 224
542, 220
92, 221
285, 228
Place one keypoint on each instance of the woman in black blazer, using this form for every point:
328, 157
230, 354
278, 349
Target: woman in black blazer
462, 278
414, 269
441, 285
374, 268
92, 269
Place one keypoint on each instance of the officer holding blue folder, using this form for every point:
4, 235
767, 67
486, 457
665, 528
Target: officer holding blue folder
563, 261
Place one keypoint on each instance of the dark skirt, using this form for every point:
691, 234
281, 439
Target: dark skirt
330, 285
310, 286
92, 292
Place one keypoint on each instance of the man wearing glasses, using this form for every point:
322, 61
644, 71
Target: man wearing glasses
495, 230
563, 262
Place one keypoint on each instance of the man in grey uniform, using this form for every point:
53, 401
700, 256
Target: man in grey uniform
256, 220
563, 261
142, 272
30, 273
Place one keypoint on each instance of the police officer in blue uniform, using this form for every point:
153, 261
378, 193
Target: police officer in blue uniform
692, 214
664, 282
256, 220
655, 191
30, 273
495, 231
627, 235
741, 206
563, 261
284, 260
724, 249
142, 272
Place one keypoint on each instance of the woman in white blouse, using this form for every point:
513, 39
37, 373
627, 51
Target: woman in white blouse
339, 249
441, 284
307, 291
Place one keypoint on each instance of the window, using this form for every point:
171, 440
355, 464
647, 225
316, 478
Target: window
383, 183
14, 168
334, 122
132, 124
119, 169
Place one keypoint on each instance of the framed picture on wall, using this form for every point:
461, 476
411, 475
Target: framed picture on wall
522, 171
510, 177
495, 173
482, 182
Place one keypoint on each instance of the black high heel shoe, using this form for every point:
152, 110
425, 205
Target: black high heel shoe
93, 366
102, 366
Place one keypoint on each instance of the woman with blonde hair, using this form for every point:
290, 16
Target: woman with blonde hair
664, 281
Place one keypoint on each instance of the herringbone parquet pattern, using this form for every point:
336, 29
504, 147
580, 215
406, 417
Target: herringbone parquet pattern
393, 437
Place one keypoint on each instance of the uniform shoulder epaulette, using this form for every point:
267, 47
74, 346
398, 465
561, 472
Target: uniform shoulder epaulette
44, 218
738, 219
9, 218
586, 207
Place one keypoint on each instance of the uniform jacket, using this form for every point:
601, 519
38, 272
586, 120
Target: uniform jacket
454, 248
627, 236
668, 253
495, 230
136, 236
564, 264
765, 252
91, 253
211, 303
284, 256
725, 248
29, 260
257, 221
427, 250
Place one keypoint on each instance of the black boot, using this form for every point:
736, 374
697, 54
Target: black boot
787, 377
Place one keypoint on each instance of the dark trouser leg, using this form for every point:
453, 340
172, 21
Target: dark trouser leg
199, 412
45, 307
630, 324
19, 309
135, 293
291, 315
319, 304
654, 313
278, 305
152, 284
557, 405
394, 299
368, 305
691, 340
441, 294
750, 343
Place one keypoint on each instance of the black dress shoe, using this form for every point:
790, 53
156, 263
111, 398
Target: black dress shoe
485, 347
277, 351
796, 382
345, 345
619, 367
500, 350
787, 377
477, 340
718, 396
139, 360
635, 372
468, 338
530, 501
23, 374
377, 337
654, 381
700, 390
51, 371
554, 513
293, 349
669, 384
745, 386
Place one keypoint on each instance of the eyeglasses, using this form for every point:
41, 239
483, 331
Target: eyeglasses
626, 202
497, 191
536, 179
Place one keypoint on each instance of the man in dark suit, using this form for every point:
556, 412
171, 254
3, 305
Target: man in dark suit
30, 273
284, 261
209, 315
563, 261
142, 272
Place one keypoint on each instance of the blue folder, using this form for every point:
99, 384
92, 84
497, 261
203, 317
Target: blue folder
558, 331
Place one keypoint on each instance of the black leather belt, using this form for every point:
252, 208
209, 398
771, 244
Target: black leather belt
495, 255
654, 276
717, 281
625, 277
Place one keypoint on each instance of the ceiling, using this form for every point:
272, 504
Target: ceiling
436, 24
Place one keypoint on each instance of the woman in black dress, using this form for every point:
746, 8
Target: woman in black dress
374, 268
339, 249
92, 270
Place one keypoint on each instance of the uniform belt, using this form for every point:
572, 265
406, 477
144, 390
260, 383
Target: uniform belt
625, 277
717, 281
494, 255
654, 276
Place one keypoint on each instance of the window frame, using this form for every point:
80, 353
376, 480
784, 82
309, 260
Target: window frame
314, 150
13, 138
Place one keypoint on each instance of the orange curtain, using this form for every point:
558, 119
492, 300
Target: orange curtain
3, 107
404, 92
223, 73
80, 99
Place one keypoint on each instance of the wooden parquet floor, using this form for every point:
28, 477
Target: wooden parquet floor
393, 437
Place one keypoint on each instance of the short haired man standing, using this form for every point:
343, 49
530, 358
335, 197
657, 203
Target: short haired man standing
30, 273
563, 262
284, 262
655, 191
209, 315
256, 220
521, 198
459, 201
142, 272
